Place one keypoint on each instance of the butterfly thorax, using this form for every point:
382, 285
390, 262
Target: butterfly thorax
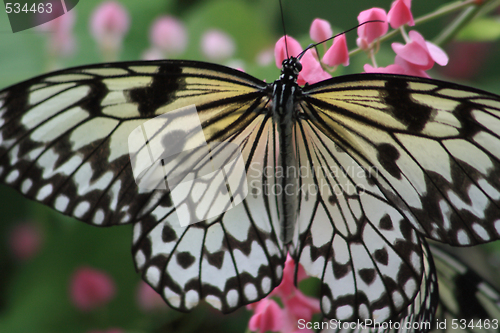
285, 92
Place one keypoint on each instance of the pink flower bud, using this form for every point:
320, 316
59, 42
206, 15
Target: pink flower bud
25, 240
320, 30
169, 35
90, 288
148, 299
371, 31
338, 53
216, 45
400, 14
109, 24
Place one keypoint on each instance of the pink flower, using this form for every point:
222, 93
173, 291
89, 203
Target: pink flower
418, 55
302, 306
312, 71
109, 24
410, 69
25, 240
217, 45
169, 35
400, 14
265, 57
287, 285
268, 316
320, 30
370, 31
90, 288
391, 69
152, 54
311, 68
148, 299
280, 51
338, 53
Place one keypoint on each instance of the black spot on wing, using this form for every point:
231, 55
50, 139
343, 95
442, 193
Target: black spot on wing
468, 125
466, 289
168, 234
215, 259
161, 91
381, 256
15, 101
367, 275
386, 223
93, 100
185, 259
387, 156
412, 114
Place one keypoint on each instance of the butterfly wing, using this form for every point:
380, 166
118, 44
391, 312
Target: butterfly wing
463, 296
466, 301
368, 258
63, 136
417, 317
388, 158
230, 260
63, 142
428, 145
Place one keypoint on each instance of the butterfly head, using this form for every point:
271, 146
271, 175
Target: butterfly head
291, 68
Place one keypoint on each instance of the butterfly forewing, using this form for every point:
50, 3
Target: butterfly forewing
64, 135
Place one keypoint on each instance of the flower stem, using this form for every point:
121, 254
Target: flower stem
461, 21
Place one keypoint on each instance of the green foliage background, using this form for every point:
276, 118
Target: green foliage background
34, 294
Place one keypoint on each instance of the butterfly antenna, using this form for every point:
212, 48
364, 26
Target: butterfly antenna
284, 30
310, 46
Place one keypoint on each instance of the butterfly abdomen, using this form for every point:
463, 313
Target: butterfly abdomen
284, 115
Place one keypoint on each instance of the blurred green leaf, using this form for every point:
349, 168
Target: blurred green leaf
481, 30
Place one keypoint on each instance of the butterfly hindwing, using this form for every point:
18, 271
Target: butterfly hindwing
230, 260
367, 255
467, 303
417, 317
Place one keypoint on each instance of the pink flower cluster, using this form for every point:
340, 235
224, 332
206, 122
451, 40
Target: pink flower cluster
25, 240
415, 57
91, 289
269, 316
